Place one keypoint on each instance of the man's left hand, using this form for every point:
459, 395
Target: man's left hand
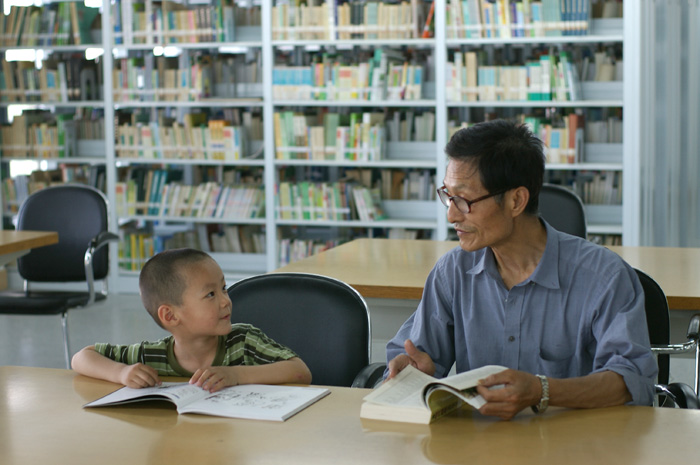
520, 390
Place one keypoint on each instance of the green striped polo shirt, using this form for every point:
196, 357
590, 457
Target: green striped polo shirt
244, 345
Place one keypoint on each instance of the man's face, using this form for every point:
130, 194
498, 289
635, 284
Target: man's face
488, 224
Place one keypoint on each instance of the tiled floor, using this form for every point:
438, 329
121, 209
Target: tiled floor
37, 341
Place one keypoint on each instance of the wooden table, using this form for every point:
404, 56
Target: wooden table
397, 269
42, 421
14, 244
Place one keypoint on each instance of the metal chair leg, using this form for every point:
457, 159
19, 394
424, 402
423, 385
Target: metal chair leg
66, 349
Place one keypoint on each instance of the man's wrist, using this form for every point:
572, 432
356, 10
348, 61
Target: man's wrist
544, 398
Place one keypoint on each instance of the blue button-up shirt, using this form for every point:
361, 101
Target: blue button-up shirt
581, 311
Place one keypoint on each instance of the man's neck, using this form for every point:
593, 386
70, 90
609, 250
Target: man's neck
518, 256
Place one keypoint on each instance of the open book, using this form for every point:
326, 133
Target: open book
252, 401
414, 397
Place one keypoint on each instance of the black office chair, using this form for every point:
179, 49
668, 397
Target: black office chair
79, 214
563, 209
658, 322
324, 320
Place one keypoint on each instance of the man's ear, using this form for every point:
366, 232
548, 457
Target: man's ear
168, 316
520, 197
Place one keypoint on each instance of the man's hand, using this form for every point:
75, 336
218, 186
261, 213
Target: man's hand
214, 379
520, 390
414, 357
139, 376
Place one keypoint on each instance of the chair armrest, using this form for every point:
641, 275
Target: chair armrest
97, 242
102, 239
369, 376
694, 327
680, 393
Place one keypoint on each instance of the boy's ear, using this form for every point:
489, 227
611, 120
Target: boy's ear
167, 316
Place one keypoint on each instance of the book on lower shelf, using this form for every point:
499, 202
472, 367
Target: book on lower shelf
415, 397
249, 401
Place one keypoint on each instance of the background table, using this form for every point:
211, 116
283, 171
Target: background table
42, 421
397, 269
14, 244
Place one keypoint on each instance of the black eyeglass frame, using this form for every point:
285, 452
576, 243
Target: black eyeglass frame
445, 198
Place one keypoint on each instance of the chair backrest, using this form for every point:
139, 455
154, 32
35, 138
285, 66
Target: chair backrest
78, 213
324, 320
563, 210
658, 320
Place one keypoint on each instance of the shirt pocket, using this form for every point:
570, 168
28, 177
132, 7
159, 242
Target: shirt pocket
557, 355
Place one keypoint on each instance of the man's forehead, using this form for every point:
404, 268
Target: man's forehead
460, 172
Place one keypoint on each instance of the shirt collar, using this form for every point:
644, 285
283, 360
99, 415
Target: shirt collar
547, 272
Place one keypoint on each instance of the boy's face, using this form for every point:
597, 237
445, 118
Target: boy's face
206, 307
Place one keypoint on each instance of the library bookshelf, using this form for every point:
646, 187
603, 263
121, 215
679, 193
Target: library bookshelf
241, 78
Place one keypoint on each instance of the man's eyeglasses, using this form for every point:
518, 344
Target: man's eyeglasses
462, 204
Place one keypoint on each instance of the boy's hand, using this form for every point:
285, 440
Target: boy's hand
139, 376
213, 379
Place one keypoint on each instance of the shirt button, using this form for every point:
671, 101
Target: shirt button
511, 338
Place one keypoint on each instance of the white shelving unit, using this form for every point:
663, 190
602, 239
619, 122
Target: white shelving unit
429, 215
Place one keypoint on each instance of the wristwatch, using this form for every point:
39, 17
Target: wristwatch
544, 400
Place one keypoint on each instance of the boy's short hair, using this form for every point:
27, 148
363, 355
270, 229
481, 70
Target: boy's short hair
162, 279
506, 154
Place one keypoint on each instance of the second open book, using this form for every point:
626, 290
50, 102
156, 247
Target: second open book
414, 397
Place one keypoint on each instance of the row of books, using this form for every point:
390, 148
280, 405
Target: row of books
15, 190
215, 140
336, 201
474, 19
249, 119
552, 77
561, 144
136, 247
599, 188
133, 81
292, 250
593, 187
409, 126
169, 22
385, 76
55, 81
68, 23
206, 77
174, 199
349, 20
606, 131
360, 138
40, 134
396, 184
606, 239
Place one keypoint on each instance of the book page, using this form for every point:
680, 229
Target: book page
470, 378
405, 389
178, 393
257, 401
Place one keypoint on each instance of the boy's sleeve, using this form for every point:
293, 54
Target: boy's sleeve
128, 354
260, 349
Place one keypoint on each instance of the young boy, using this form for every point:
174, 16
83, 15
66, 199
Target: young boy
185, 292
